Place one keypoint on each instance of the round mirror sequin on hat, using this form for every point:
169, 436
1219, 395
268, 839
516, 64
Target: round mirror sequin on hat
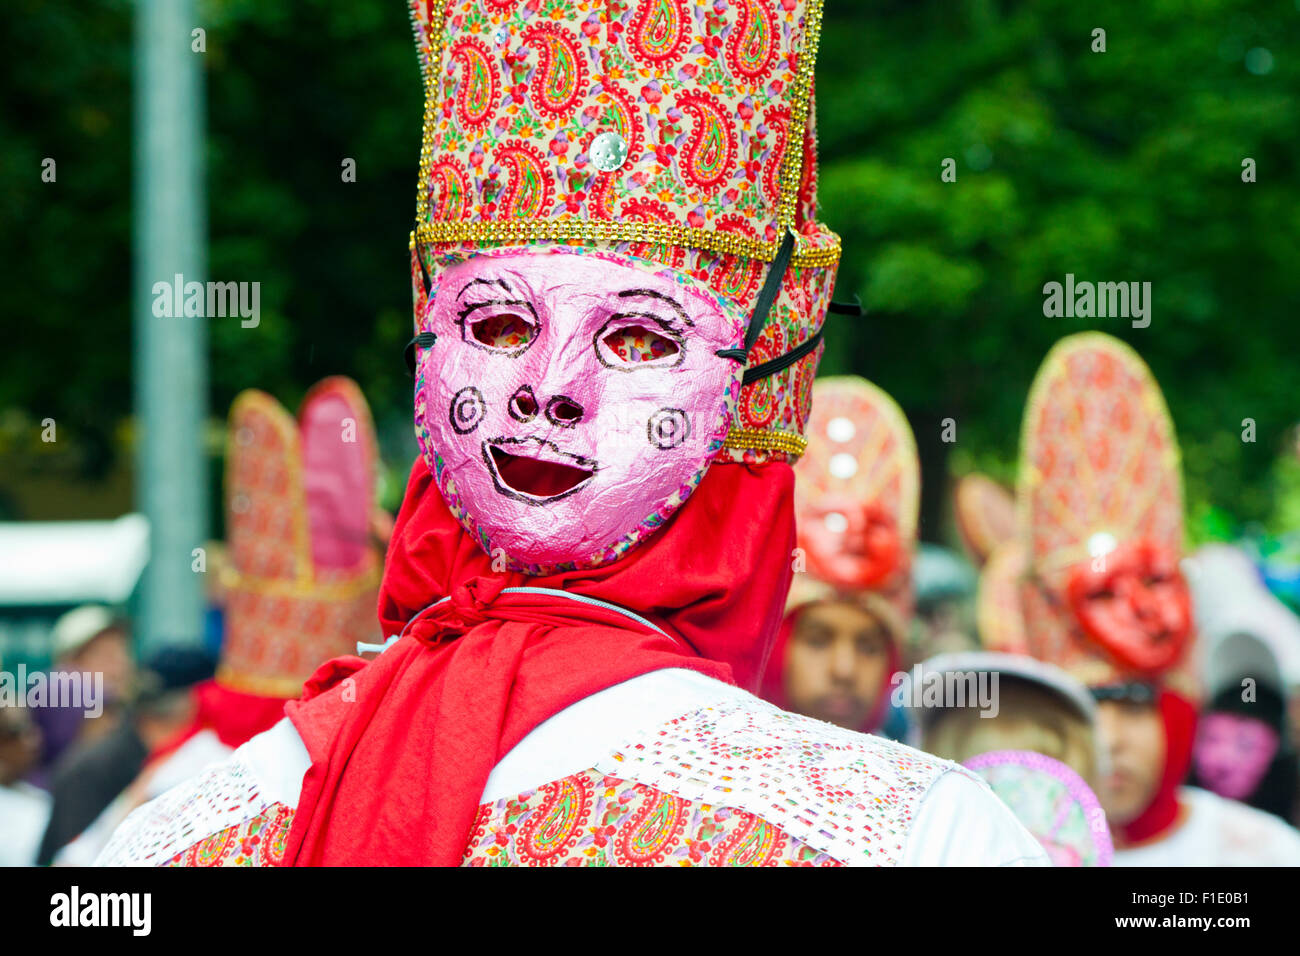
608, 151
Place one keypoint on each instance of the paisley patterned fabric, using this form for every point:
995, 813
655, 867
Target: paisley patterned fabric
582, 820
712, 101
734, 783
194, 823
257, 841
849, 796
589, 819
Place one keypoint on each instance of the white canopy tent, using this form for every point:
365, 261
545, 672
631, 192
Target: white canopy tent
71, 562
48, 567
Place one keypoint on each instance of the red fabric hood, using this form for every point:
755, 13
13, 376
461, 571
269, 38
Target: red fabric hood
401, 747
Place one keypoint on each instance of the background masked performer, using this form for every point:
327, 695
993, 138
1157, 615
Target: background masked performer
857, 493
619, 290
1103, 596
299, 575
1244, 745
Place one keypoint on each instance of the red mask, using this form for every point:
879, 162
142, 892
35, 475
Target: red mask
850, 546
1134, 603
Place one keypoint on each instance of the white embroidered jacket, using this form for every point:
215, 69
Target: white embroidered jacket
670, 768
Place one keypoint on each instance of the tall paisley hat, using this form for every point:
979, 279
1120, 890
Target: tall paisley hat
857, 501
1101, 518
301, 574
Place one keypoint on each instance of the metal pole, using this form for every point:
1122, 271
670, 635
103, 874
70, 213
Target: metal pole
170, 374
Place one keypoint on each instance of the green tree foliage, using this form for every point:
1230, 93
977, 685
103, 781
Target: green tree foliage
1122, 165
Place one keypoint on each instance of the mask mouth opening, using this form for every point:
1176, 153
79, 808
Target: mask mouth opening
535, 471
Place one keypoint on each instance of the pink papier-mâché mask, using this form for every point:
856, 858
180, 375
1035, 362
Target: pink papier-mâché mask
1233, 752
572, 400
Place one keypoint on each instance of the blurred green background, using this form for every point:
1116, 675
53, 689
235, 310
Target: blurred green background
1115, 166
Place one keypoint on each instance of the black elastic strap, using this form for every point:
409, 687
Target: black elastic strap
1134, 692
771, 286
782, 362
766, 296
425, 281
424, 340
853, 308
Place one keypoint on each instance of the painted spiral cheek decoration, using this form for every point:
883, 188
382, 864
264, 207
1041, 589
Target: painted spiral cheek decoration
467, 410
668, 428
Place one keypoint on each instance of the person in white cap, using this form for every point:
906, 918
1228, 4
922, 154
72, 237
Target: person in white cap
90, 639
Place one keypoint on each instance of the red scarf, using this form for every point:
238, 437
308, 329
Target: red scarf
1179, 718
402, 747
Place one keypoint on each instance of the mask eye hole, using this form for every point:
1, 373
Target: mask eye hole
505, 331
628, 345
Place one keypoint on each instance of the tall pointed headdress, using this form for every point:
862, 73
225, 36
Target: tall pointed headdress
857, 499
301, 575
1101, 509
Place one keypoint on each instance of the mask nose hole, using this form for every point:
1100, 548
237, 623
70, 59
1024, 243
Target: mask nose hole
523, 405
563, 411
